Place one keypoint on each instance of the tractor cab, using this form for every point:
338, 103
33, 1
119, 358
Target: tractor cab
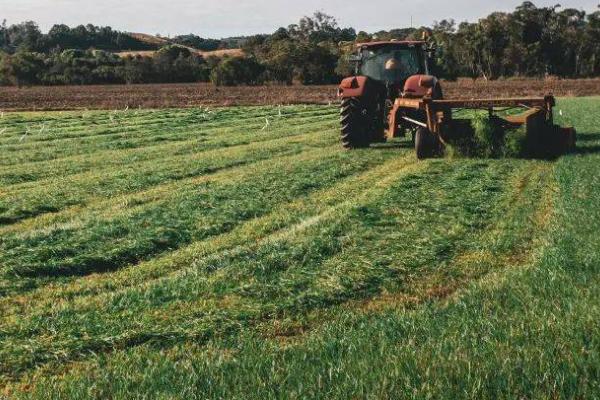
391, 69
392, 62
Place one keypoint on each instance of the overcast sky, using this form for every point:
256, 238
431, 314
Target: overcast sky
222, 18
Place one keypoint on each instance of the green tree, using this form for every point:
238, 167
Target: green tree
319, 66
444, 36
23, 68
5, 69
4, 37
25, 36
233, 71
307, 52
592, 45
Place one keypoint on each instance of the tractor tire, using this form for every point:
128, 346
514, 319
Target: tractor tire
425, 143
354, 118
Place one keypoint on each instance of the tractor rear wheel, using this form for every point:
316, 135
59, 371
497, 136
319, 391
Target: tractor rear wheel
425, 143
355, 118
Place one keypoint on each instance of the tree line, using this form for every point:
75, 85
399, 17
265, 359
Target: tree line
531, 41
27, 37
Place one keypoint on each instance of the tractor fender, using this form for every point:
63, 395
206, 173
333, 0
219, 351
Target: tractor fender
354, 86
419, 86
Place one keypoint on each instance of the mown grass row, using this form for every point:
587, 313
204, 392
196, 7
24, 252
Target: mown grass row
288, 274
323, 275
26, 150
193, 212
223, 138
178, 129
53, 194
69, 125
283, 219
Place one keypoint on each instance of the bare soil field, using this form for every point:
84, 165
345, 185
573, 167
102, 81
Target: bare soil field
157, 96
202, 94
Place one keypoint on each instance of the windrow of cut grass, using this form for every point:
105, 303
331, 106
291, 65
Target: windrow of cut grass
285, 219
66, 126
296, 273
120, 135
193, 212
317, 274
37, 170
54, 194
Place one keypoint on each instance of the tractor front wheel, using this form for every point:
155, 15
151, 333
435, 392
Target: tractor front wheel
426, 143
354, 119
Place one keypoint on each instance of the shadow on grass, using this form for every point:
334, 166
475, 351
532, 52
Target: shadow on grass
586, 150
583, 148
588, 137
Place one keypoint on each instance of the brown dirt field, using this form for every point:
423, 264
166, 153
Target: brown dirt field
469, 88
157, 96
202, 94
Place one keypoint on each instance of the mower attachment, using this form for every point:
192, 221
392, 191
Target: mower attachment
545, 138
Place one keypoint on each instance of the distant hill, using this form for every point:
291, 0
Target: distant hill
158, 42
149, 39
215, 53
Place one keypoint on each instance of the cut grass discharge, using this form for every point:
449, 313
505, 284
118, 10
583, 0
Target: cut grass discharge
185, 254
488, 137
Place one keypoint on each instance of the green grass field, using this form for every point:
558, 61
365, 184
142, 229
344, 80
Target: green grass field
183, 254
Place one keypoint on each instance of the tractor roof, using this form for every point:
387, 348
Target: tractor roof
398, 43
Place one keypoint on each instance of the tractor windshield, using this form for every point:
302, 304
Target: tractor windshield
392, 64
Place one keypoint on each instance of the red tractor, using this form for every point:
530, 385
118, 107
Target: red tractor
394, 93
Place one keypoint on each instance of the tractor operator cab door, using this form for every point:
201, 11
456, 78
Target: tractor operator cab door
393, 64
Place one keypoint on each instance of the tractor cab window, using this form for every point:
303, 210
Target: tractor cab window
391, 65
